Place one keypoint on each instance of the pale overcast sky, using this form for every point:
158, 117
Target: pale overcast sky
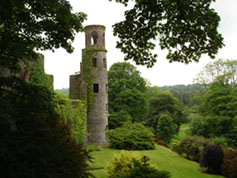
61, 64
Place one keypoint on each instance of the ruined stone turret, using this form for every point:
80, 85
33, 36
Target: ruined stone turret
97, 115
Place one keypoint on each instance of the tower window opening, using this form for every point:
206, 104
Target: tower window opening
96, 88
106, 87
94, 62
104, 39
94, 36
104, 63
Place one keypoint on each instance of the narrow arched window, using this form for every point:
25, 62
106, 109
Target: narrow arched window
94, 36
104, 38
104, 63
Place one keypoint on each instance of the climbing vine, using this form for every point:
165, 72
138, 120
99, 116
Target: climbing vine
88, 76
38, 75
73, 113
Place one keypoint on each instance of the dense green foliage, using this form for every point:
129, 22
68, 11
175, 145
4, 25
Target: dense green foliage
165, 102
131, 136
196, 126
34, 141
225, 68
219, 112
192, 146
26, 26
230, 163
212, 158
165, 128
189, 95
127, 100
143, 169
38, 75
187, 29
73, 113
122, 163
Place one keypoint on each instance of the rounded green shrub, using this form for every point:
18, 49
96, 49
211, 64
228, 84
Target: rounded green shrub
193, 146
165, 128
131, 136
175, 146
143, 169
122, 163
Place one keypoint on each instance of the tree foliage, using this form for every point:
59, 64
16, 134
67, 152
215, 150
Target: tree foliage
126, 94
225, 68
26, 26
187, 29
34, 141
73, 113
165, 102
219, 111
165, 128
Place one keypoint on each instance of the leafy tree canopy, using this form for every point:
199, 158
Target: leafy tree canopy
164, 102
29, 25
219, 111
225, 70
126, 93
187, 29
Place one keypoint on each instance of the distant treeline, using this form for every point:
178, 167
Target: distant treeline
188, 94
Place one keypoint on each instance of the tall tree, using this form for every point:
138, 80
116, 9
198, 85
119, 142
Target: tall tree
225, 68
219, 112
29, 25
164, 102
186, 28
127, 99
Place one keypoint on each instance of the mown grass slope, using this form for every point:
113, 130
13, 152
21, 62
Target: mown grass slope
162, 158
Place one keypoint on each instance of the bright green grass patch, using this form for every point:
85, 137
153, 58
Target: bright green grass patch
162, 158
182, 131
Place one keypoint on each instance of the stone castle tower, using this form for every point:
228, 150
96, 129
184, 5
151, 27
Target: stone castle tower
97, 116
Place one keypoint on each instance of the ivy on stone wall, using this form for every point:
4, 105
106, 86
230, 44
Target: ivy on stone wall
38, 75
73, 113
88, 76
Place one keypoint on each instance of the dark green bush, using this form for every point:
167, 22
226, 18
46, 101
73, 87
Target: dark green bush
193, 146
175, 146
212, 158
131, 136
34, 141
165, 128
143, 169
229, 166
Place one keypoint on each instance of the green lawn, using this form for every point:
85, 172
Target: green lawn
161, 158
182, 131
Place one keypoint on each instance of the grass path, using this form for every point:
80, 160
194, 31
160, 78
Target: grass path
162, 158
182, 131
